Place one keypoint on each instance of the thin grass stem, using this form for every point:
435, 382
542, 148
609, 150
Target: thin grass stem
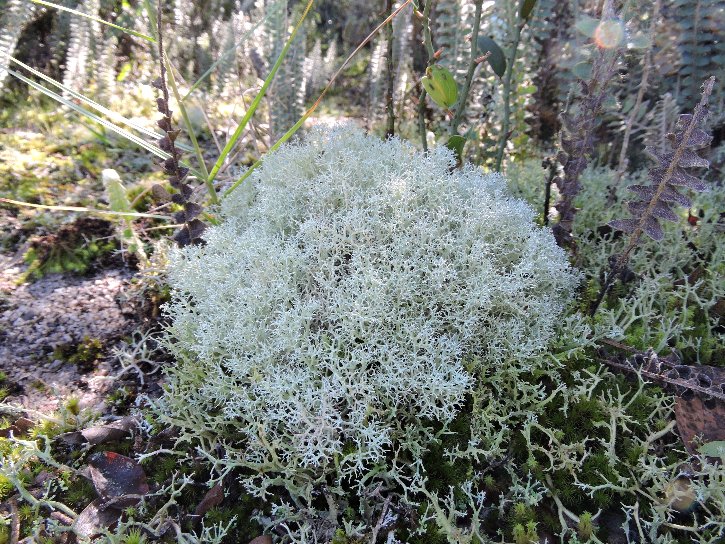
317, 103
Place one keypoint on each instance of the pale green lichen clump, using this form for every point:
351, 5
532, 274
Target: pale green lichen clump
345, 306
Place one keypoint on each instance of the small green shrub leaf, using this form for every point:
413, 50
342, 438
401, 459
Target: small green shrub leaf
497, 60
587, 25
117, 196
456, 143
639, 42
438, 82
713, 449
582, 70
527, 6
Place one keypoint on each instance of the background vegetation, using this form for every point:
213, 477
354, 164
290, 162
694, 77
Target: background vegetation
124, 124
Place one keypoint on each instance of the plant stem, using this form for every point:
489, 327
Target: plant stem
507, 94
622, 167
192, 135
551, 165
220, 162
428, 41
163, 104
287, 135
461, 107
389, 104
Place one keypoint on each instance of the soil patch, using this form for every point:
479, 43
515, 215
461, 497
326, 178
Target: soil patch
45, 323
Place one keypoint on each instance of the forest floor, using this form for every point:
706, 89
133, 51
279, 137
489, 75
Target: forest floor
79, 324
68, 297
57, 313
71, 298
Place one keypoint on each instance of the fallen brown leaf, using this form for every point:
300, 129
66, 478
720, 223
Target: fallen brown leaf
100, 434
262, 539
699, 421
95, 518
213, 498
117, 478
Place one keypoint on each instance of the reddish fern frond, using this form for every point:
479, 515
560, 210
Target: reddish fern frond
193, 227
656, 200
577, 138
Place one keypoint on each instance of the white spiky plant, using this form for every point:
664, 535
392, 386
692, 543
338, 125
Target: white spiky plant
15, 15
346, 305
286, 95
85, 42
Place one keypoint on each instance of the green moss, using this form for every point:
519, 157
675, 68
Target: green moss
6, 447
26, 514
522, 513
585, 526
73, 248
161, 467
525, 533
22, 177
45, 428
442, 473
63, 259
589, 294
39, 385
243, 507
633, 453
80, 492
432, 535
218, 515
578, 423
641, 406
6, 488
84, 354
134, 536
549, 521
87, 352
340, 537
73, 405
93, 157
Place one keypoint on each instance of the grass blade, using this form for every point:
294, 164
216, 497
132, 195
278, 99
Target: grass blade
229, 51
257, 99
135, 215
93, 18
97, 133
92, 104
287, 135
92, 116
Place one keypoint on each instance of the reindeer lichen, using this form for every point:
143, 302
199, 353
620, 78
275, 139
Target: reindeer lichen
334, 323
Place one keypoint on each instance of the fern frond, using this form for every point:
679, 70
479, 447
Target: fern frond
657, 199
287, 93
577, 140
82, 47
16, 15
660, 121
375, 71
701, 45
402, 60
